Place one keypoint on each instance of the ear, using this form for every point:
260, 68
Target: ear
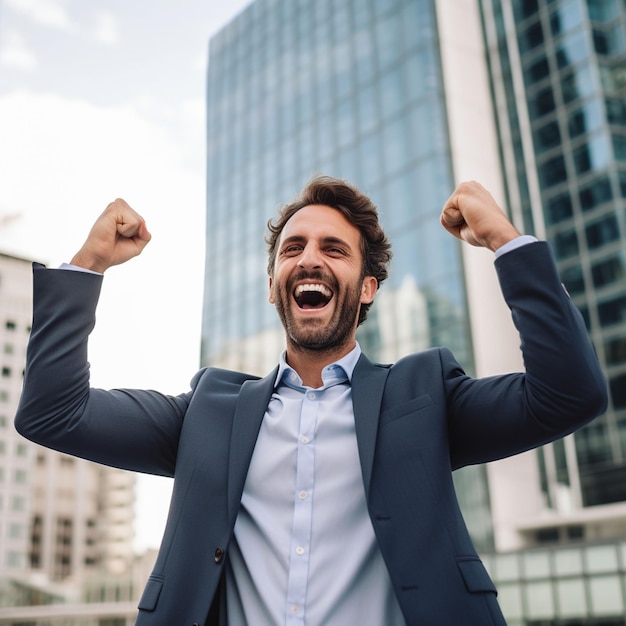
368, 290
270, 297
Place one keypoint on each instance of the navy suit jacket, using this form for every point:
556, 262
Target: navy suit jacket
416, 421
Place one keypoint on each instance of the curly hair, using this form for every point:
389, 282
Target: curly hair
356, 207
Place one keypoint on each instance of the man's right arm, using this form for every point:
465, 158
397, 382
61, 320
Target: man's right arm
132, 429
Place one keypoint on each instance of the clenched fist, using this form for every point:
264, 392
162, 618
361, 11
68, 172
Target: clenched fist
118, 235
471, 214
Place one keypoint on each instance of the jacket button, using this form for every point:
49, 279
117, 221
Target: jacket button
219, 555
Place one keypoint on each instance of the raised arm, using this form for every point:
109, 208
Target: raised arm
131, 429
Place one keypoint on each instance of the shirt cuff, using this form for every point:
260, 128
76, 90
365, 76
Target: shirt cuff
76, 268
518, 242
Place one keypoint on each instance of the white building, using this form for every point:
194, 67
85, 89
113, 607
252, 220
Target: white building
62, 519
15, 453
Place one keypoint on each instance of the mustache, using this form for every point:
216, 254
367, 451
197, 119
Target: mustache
311, 275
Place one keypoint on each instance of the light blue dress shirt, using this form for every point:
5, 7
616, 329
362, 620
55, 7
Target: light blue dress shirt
304, 550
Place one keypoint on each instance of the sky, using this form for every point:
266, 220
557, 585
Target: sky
106, 100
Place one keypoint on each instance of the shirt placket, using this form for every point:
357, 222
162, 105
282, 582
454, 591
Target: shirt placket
299, 557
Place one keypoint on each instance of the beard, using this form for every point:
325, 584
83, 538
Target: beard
316, 334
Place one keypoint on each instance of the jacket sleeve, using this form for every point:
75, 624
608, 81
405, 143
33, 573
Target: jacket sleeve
129, 429
562, 388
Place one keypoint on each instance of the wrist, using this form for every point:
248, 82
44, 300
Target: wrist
497, 240
88, 262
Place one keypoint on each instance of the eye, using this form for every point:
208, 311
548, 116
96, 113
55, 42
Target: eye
291, 250
335, 251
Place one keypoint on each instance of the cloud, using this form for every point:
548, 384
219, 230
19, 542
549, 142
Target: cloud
63, 161
106, 30
16, 55
45, 12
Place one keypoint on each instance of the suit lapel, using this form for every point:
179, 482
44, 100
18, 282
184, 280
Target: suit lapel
368, 384
252, 402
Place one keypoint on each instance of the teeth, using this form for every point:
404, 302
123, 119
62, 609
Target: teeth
313, 287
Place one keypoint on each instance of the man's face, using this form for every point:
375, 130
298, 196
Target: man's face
318, 283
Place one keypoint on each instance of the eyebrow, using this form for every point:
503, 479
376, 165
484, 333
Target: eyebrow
325, 240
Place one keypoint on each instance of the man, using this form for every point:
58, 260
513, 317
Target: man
321, 494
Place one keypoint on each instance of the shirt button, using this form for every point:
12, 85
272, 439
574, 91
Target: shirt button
304, 439
294, 608
303, 495
299, 550
311, 395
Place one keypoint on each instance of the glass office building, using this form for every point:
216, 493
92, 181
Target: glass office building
352, 89
564, 147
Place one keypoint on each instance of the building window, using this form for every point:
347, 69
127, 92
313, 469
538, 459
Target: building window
542, 103
537, 71
566, 244
16, 531
547, 137
20, 477
6, 372
18, 504
13, 559
616, 111
618, 391
596, 194
615, 351
10, 325
531, 38
608, 271
602, 232
613, 311
572, 278
559, 208
602, 10
619, 147
552, 172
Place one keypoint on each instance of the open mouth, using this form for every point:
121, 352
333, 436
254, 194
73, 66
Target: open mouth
312, 296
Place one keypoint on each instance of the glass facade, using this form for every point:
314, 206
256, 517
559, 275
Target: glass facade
352, 89
568, 58
346, 88
565, 586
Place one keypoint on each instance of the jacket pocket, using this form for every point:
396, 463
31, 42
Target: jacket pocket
396, 412
475, 575
151, 594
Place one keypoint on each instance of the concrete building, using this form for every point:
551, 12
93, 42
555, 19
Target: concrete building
16, 454
62, 519
406, 98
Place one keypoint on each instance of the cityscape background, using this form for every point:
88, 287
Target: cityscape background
405, 98
107, 100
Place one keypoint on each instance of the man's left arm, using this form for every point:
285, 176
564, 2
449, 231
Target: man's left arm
563, 386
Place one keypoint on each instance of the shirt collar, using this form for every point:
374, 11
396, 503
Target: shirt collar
343, 368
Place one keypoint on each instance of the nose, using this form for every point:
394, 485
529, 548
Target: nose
311, 257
